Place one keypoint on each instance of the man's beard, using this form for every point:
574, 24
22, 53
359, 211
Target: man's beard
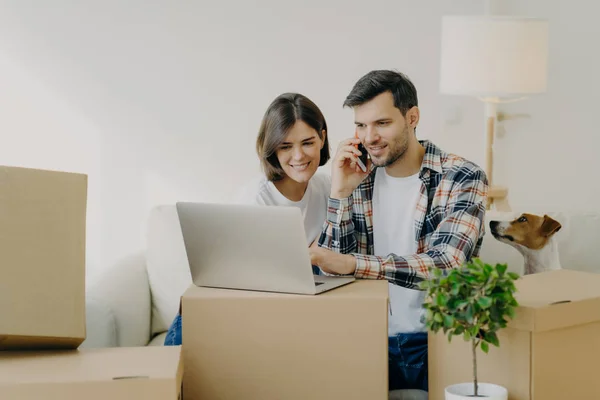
397, 148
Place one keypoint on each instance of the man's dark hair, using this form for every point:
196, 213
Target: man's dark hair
280, 117
376, 82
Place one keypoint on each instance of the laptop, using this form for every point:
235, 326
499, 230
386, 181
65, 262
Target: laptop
250, 247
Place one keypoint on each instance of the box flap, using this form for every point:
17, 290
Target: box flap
16, 342
357, 289
86, 365
120, 373
556, 299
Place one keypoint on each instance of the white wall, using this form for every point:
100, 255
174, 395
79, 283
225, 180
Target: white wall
549, 159
160, 101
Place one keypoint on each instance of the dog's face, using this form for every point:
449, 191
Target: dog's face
530, 231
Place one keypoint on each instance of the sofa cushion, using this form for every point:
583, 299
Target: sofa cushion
167, 264
121, 291
158, 340
100, 325
577, 238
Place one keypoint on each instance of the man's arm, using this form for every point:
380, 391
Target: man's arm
453, 242
338, 228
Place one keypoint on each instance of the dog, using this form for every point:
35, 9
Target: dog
533, 236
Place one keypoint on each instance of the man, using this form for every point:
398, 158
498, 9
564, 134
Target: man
415, 208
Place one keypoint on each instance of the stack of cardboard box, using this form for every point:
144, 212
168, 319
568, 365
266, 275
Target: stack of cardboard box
42, 302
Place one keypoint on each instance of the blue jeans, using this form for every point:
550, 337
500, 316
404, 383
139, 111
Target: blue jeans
173, 337
407, 356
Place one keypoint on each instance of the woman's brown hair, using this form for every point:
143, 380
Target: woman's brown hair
279, 118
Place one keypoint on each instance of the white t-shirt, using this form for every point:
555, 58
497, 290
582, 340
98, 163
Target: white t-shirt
313, 204
394, 206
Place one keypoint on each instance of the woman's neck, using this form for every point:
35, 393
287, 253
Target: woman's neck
291, 189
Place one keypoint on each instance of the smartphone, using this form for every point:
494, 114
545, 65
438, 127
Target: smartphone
362, 159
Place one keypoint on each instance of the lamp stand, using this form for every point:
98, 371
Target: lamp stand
497, 195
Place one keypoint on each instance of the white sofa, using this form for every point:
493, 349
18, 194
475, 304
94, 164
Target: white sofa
133, 302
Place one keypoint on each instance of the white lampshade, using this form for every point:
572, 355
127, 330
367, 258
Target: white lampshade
493, 56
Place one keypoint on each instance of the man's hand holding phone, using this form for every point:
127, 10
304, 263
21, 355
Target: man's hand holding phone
346, 173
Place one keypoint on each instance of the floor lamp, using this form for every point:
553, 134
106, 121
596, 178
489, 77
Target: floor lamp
497, 59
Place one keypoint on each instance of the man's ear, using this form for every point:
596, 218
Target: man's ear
413, 116
549, 226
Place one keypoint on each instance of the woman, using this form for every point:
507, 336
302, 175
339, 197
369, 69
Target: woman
292, 144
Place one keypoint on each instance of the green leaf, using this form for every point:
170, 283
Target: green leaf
441, 300
429, 314
484, 302
448, 321
467, 336
501, 269
469, 314
513, 275
485, 347
461, 304
474, 331
455, 289
492, 338
487, 269
511, 313
438, 318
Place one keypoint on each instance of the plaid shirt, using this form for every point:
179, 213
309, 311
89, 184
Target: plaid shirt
449, 221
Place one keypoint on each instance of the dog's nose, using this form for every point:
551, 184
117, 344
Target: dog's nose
493, 224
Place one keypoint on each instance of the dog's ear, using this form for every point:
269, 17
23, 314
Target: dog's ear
549, 226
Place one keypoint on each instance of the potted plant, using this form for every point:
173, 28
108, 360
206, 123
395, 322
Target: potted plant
473, 301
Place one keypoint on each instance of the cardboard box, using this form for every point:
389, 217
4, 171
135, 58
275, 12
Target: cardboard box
548, 352
256, 345
42, 258
119, 373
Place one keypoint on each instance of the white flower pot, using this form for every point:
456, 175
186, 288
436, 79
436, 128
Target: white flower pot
486, 391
